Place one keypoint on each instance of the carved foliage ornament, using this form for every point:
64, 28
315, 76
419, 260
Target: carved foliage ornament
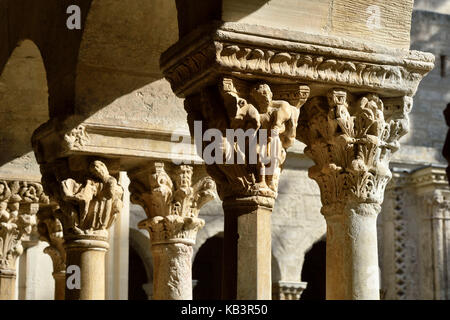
17, 222
251, 124
89, 198
306, 65
172, 202
51, 230
351, 142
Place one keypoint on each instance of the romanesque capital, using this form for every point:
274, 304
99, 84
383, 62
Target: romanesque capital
19, 203
51, 230
288, 290
88, 196
171, 196
253, 123
351, 139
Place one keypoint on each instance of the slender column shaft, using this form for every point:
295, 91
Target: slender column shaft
248, 243
60, 285
172, 271
438, 257
89, 256
7, 285
352, 254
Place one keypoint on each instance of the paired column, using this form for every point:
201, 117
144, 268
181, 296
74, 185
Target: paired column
171, 196
19, 203
89, 199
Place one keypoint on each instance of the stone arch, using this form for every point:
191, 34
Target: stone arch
207, 269
119, 57
44, 23
141, 245
24, 106
211, 229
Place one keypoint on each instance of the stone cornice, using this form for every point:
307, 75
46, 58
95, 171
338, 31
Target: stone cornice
56, 139
237, 49
431, 177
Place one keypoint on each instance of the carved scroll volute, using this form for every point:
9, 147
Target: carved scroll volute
265, 114
351, 141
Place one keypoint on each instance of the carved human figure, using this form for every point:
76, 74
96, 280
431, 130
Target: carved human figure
98, 199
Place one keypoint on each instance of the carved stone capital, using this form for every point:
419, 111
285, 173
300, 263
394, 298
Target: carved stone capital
351, 140
285, 290
89, 197
19, 203
253, 123
51, 230
171, 197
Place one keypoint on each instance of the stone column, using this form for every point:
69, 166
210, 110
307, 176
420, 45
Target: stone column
51, 231
351, 139
171, 197
89, 199
19, 202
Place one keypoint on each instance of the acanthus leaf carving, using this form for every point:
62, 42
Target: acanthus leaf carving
171, 199
351, 142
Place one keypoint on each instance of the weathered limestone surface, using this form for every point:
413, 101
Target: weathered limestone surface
414, 235
171, 197
350, 137
340, 18
51, 231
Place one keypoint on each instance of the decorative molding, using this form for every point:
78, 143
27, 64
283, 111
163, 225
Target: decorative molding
225, 50
351, 142
61, 138
171, 197
396, 195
